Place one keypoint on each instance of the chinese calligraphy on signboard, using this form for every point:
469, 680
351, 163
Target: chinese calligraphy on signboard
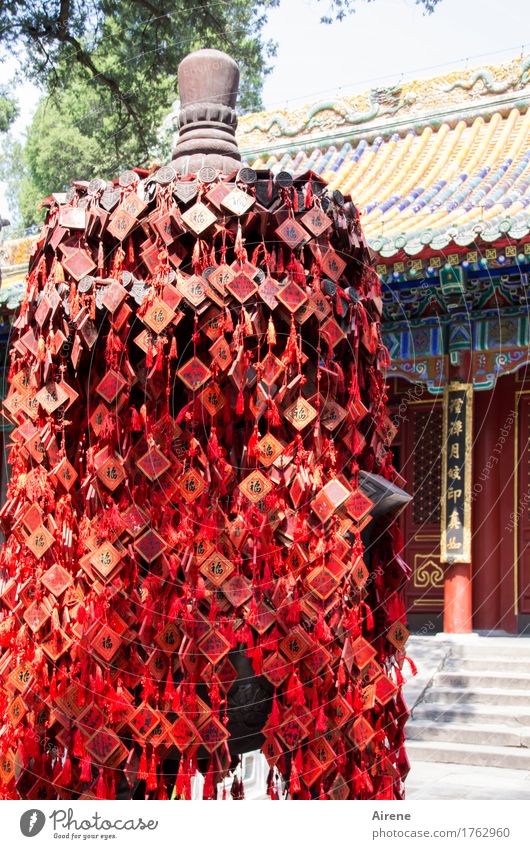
456, 474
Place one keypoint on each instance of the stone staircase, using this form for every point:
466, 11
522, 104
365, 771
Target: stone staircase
474, 706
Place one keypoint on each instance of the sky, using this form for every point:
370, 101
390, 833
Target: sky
383, 42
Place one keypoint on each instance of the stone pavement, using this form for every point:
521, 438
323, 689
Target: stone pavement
428, 780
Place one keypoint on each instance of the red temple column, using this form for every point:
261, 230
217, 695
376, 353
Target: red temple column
458, 608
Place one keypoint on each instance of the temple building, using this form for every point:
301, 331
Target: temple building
440, 171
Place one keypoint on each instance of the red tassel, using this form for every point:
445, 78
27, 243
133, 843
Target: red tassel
240, 403
101, 790
142, 768
86, 769
152, 781
321, 723
294, 781
271, 333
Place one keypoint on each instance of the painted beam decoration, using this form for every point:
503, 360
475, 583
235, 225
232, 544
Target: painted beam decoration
456, 474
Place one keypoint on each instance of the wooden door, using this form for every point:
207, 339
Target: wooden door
521, 514
421, 449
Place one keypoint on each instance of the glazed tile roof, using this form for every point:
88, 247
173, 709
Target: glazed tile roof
429, 164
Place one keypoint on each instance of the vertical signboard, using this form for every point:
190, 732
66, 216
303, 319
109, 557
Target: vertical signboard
455, 543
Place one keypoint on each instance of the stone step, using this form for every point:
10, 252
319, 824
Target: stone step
511, 647
480, 680
467, 753
473, 714
478, 735
478, 696
487, 664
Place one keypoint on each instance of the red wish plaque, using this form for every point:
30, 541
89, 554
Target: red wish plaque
214, 646
241, 287
158, 316
150, 545
358, 505
121, 224
291, 296
198, 218
237, 202
213, 734
110, 386
292, 732
271, 369
191, 485
216, 568
79, 264
271, 749
65, 473
323, 752
332, 264
51, 396
202, 548
255, 486
97, 419
322, 582
269, 449
339, 790
143, 720
336, 491
169, 637
106, 643
340, 711
292, 233
134, 520
332, 415
194, 289
295, 644
323, 507
398, 635
111, 473
212, 398
183, 733
221, 353
36, 615
363, 652
385, 689
276, 669
360, 573
332, 332
219, 278
113, 296
316, 221
57, 580
194, 373
153, 464
105, 559
102, 746
268, 290
40, 541
300, 414
361, 733
238, 590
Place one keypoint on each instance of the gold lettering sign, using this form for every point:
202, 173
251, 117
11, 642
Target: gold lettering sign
456, 474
